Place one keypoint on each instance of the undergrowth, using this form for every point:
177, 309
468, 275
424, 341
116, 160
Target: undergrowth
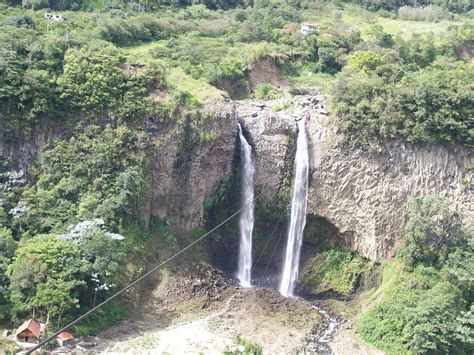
335, 270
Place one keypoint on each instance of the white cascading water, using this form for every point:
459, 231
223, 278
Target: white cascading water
246, 216
298, 213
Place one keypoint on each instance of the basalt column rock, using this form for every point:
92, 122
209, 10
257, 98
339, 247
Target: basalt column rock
364, 193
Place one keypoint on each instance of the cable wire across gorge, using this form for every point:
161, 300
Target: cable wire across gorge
141, 278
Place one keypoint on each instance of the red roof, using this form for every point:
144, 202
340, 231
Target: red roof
65, 336
30, 325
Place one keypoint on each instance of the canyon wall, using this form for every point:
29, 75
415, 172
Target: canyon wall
364, 193
188, 165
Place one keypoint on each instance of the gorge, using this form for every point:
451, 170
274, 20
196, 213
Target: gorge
340, 179
238, 177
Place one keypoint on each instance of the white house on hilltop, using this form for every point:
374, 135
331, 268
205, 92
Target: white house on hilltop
307, 28
53, 17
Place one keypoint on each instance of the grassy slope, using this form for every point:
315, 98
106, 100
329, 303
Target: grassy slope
361, 19
175, 75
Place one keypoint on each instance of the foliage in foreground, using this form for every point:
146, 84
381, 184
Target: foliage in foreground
429, 310
67, 259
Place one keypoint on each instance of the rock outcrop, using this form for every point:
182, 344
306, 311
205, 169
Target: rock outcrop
189, 164
364, 193
187, 161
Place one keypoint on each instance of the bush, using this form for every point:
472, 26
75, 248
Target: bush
427, 309
334, 270
365, 60
231, 68
262, 91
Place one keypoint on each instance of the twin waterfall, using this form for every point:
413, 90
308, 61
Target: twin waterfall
246, 216
298, 213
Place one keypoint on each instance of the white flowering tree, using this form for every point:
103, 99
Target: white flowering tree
101, 255
52, 275
8, 181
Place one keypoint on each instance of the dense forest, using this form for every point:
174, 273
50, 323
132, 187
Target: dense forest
112, 70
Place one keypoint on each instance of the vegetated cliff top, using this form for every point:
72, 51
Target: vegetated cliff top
403, 80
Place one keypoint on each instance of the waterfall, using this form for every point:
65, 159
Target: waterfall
298, 213
246, 216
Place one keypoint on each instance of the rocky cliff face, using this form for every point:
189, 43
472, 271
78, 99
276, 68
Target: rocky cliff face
363, 193
187, 161
188, 165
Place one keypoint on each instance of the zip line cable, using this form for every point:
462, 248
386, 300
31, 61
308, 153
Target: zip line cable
118, 293
133, 283
269, 239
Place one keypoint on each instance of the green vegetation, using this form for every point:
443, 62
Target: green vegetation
100, 172
418, 303
335, 271
415, 89
429, 306
115, 81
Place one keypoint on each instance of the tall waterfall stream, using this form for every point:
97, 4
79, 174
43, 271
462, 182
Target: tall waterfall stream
289, 274
298, 214
246, 219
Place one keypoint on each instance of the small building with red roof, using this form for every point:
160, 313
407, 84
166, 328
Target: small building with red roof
28, 332
65, 338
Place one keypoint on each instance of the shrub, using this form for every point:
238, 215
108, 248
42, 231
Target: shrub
262, 91
365, 60
334, 270
231, 68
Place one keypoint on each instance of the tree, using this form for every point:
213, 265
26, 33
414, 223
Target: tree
91, 81
101, 255
379, 37
44, 277
433, 324
365, 60
7, 250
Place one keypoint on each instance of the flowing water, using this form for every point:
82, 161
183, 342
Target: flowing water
246, 216
298, 213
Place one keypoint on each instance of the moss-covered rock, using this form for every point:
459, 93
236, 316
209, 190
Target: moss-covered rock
336, 271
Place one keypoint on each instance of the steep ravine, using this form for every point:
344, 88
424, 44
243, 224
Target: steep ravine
359, 195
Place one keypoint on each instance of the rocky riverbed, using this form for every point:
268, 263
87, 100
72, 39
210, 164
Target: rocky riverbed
207, 313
